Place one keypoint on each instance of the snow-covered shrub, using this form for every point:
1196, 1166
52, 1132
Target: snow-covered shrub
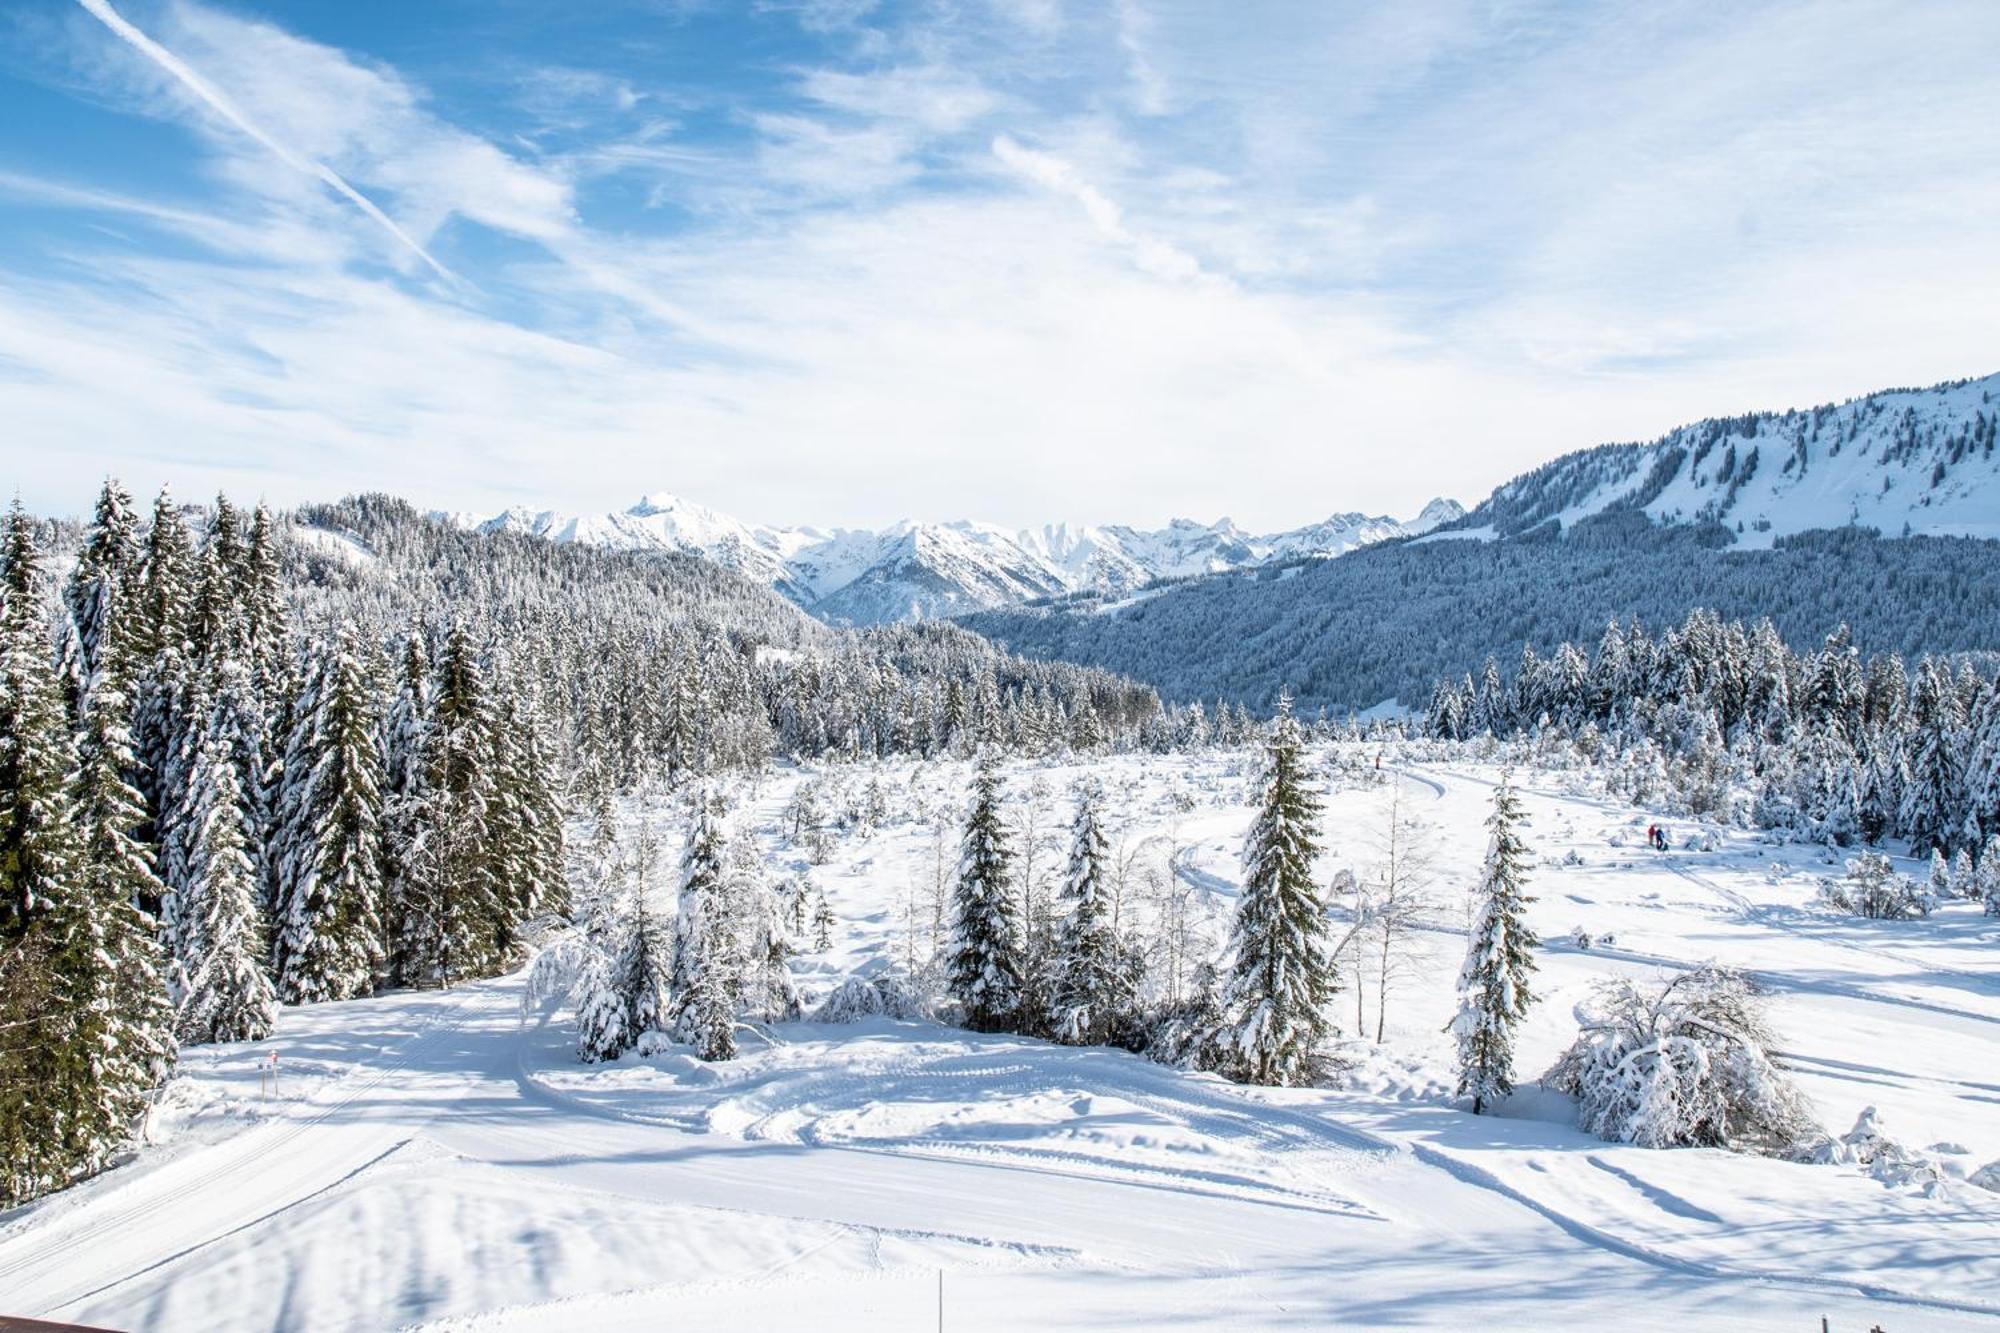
887, 996
1871, 888
1686, 1063
1580, 938
1869, 1146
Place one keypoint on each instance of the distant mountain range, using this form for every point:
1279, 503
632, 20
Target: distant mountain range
1905, 462
922, 571
1771, 514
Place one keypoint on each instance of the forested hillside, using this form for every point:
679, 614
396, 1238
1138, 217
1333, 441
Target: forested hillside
1387, 622
248, 761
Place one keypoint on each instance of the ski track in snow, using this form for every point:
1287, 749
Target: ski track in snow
468, 1174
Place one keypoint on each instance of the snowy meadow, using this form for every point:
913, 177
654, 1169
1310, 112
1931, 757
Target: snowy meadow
446, 1159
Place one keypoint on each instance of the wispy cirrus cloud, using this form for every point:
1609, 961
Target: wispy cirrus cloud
223, 106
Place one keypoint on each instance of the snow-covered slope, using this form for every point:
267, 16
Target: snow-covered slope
1904, 461
920, 571
441, 1160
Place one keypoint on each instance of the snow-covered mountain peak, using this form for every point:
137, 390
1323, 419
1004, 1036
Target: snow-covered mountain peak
1435, 514
914, 570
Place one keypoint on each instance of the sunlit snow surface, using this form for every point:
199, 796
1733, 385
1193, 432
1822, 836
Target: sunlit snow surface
440, 1160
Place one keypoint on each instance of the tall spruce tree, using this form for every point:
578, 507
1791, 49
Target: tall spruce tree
63, 1100
105, 583
405, 743
1282, 977
132, 1007
1090, 983
705, 963
603, 1014
646, 962
1493, 992
263, 605
1930, 816
984, 973
217, 624
330, 938
167, 584
219, 939
453, 906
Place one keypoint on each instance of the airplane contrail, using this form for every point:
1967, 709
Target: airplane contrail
228, 110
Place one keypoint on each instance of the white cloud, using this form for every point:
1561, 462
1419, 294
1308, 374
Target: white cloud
1024, 262
224, 106
1156, 256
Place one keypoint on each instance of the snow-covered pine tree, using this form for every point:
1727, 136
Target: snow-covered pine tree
64, 1094
1986, 875
1282, 974
105, 581
405, 744
1940, 885
263, 605
985, 968
646, 962
132, 1009
1090, 989
1964, 883
757, 920
586, 964
705, 975
330, 937
219, 940
1930, 816
217, 626
822, 920
1878, 794
1982, 766
1493, 993
1827, 800
524, 821
452, 905
167, 584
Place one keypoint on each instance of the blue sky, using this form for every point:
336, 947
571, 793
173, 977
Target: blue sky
843, 261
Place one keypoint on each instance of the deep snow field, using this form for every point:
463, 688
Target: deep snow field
441, 1160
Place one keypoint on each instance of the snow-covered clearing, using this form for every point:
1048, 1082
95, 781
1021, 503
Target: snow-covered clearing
438, 1160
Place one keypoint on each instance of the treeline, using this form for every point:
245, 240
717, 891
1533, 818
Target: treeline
665, 667
1386, 622
1839, 749
206, 810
